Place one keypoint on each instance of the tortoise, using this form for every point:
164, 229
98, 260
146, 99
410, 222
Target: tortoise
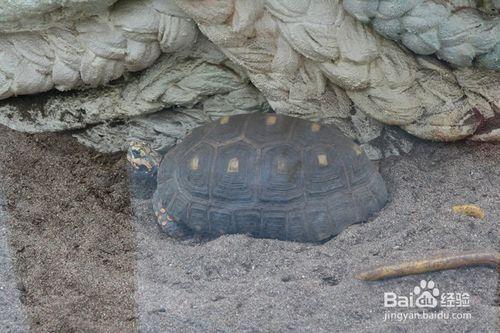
266, 175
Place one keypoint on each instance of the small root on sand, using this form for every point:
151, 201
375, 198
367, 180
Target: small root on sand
425, 265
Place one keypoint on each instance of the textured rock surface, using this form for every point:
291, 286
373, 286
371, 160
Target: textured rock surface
61, 44
21, 13
183, 79
161, 130
183, 90
296, 52
162, 103
308, 58
462, 32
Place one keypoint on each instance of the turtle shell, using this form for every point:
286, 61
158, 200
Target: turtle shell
270, 176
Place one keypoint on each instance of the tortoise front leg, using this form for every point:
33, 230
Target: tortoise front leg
169, 226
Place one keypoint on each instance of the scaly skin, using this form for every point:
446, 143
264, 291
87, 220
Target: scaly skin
144, 163
142, 157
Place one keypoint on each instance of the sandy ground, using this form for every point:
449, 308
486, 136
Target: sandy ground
12, 314
71, 234
85, 262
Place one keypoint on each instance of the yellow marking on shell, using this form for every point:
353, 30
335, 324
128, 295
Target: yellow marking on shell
469, 210
357, 149
271, 120
322, 160
315, 127
233, 165
195, 163
224, 120
163, 210
281, 165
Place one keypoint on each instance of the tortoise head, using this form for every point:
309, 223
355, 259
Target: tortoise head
142, 157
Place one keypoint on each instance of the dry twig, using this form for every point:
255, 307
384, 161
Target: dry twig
426, 265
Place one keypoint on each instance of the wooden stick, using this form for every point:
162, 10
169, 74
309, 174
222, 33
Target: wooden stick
426, 265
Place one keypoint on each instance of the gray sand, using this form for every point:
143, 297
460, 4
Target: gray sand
83, 268
12, 315
236, 283
71, 233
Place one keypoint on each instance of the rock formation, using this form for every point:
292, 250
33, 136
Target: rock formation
460, 32
312, 59
300, 53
